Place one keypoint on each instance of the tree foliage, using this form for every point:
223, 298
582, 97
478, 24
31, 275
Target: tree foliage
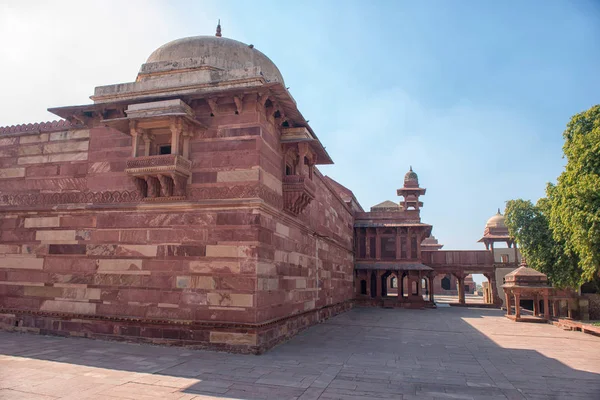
560, 234
529, 225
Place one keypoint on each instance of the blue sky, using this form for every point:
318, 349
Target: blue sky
473, 94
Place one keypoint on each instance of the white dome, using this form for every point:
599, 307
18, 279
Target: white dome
212, 51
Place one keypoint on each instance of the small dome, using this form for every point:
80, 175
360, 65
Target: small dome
497, 221
218, 52
411, 178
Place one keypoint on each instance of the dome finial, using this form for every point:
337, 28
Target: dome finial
411, 167
499, 211
218, 34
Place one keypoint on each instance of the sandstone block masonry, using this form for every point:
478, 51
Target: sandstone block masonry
84, 253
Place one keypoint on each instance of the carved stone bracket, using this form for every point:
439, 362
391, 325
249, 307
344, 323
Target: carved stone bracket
298, 192
162, 176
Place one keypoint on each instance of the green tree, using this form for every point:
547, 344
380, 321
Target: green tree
575, 199
529, 225
560, 234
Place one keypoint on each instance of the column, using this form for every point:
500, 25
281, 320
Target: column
494, 297
431, 279
508, 303
377, 245
536, 305
368, 243
461, 289
378, 282
147, 142
408, 244
368, 281
419, 285
400, 285
398, 244
546, 307
176, 128
517, 305
188, 133
555, 309
135, 135
134, 143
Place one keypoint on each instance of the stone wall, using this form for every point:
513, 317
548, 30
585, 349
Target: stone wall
227, 268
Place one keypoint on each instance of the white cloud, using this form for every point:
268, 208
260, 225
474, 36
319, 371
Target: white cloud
55, 53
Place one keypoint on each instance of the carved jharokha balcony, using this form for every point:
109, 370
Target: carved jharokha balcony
160, 177
298, 192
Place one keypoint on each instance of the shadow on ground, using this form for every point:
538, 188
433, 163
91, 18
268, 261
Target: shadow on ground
448, 353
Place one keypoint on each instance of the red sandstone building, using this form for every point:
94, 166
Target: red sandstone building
187, 208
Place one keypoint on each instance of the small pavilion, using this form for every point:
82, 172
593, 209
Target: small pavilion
526, 283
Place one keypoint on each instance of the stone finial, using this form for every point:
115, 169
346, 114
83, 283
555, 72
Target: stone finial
499, 211
523, 262
218, 34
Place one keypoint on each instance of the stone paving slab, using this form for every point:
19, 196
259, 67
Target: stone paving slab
448, 353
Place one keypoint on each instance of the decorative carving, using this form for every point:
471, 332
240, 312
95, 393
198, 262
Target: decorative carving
239, 103
126, 196
166, 185
141, 185
153, 186
212, 103
39, 127
179, 184
262, 99
35, 199
150, 163
298, 192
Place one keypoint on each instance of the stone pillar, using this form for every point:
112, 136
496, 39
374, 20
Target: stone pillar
419, 285
546, 307
431, 279
517, 305
135, 135
555, 309
147, 142
176, 128
367, 244
378, 275
494, 298
398, 244
377, 245
408, 244
508, 303
368, 281
400, 285
536, 305
134, 143
188, 134
461, 289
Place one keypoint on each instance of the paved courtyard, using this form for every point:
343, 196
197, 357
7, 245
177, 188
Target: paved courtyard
448, 353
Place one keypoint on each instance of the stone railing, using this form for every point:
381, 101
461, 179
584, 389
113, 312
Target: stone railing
298, 192
166, 160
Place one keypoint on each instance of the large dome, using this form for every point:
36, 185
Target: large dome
217, 52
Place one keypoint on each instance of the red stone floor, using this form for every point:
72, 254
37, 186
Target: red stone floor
444, 353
